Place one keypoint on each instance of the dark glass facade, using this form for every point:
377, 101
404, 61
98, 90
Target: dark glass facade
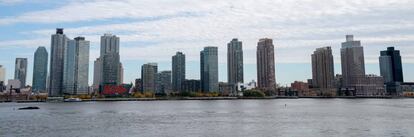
40, 70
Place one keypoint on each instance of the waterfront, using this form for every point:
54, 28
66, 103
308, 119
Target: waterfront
300, 117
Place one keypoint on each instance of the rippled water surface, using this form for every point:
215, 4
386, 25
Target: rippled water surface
227, 118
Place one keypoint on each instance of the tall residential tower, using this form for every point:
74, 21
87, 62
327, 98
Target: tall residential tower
209, 69
178, 71
58, 44
40, 70
352, 60
266, 77
354, 80
148, 75
76, 67
110, 59
20, 72
235, 62
323, 75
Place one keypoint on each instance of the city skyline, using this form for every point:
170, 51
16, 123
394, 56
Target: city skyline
350, 43
230, 68
157, 44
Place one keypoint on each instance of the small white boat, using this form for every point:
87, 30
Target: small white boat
73, 100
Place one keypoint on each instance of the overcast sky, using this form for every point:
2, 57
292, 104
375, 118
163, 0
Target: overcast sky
153, 30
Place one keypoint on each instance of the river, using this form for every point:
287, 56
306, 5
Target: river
213, 118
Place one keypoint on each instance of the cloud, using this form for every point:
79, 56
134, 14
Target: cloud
143, 9
10, 2
155, 30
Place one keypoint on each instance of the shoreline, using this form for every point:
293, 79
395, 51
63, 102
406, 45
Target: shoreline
212, 98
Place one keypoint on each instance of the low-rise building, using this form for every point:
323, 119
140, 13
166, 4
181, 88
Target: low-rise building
226, 89
191, 86
302, 88
407, 87
368, 85
138, 85
246, 86
13, 84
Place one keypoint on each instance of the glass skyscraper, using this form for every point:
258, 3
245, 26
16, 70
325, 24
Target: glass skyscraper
58, 44
391, 70
209, 69
40, 70
391, 66
76, 67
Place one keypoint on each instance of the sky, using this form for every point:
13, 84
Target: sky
153, 30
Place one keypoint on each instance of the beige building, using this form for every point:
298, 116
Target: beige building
2, 73
323, 68
369, 85
266, 78
352, 60
354, 80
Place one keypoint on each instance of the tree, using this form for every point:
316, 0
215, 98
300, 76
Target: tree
253, 93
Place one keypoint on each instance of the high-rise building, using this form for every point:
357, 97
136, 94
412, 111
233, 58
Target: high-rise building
40, 70
352, 60
323, 75
97, 73
178, 71
148, 76
2, 74
235, 62
163, 83
385, 63
266, 77
20, 72
76, 67
391, 70
110, 59
58, 44
354, 80
120, 74
391, 66
209, 69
